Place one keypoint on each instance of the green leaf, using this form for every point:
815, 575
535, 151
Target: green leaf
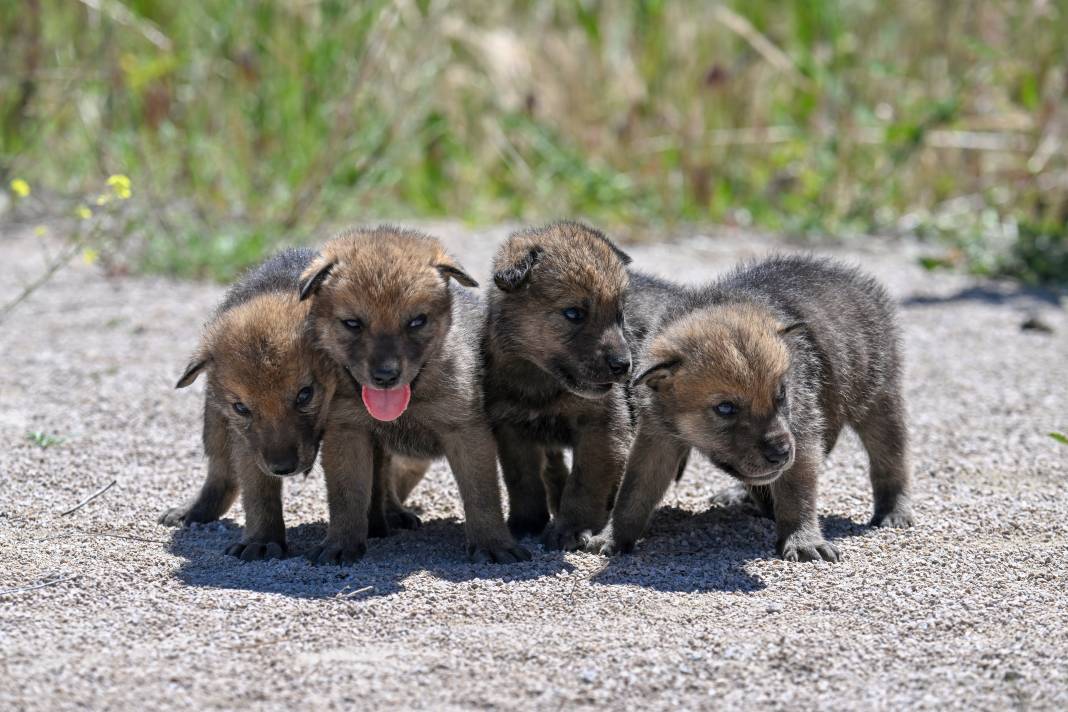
1060, 437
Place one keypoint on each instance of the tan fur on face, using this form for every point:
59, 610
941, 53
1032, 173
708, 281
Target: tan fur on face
575, 262
261, 353
388, 271
728, 352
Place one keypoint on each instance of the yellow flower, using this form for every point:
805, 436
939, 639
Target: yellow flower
89, 256
121, 185
103, 199
20, 187
83, 212
40, 231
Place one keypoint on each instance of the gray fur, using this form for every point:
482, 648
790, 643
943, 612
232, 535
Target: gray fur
844, 369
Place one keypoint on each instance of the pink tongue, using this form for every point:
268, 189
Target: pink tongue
385, 404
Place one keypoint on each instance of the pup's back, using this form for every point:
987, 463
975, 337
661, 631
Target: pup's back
280, 273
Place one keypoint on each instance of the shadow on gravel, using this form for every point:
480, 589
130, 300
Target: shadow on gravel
996, 294
437, 548
706, 551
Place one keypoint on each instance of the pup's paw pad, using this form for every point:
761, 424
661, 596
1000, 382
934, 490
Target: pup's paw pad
333, 554
503, 553
809, 550
257, 550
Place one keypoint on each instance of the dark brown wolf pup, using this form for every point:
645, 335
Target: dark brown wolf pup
760, 372
557, 354
387, 307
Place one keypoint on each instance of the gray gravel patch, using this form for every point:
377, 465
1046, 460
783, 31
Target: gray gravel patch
967, 610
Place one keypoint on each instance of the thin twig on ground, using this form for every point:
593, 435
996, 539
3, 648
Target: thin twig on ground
90, 498
357, 592
39, 584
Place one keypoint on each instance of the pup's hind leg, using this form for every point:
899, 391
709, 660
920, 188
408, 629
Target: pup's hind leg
404, 474
885, 437
377, 526
265, 529
555, 478
753, 500
219, 490
522, 464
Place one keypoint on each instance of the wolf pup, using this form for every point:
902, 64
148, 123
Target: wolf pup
387, 308
266, 402
760, 371
558, 358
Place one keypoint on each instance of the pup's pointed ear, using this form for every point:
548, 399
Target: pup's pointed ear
452, 270
657, 375
515, 275
198, 363
623, 256
792, 327
314, 276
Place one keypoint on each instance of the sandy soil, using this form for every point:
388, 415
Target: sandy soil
967, 610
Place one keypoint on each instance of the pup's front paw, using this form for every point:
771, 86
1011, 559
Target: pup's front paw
739, 497
336, 553
401, 518
605, 543
257, 550
497, 553
521, 525
806, 546
196, 512
174, 517
900, 517
561, 535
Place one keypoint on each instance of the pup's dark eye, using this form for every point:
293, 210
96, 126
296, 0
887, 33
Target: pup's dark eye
418, 322
575, 314
352, 324
726, 409
242, 409
304, 395
780, 397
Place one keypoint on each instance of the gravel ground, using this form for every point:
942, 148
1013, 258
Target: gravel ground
967, 610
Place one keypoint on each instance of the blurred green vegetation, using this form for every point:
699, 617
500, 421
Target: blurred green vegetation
243, 124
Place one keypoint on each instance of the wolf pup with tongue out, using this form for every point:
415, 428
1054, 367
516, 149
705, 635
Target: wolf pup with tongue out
388, 307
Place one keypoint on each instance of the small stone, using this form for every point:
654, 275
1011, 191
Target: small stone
1036, 323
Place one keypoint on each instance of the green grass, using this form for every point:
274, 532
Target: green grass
43, 440
245, 125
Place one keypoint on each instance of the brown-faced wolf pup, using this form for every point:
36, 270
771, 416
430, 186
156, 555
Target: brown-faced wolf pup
265, 405
760, 371
387, 309
558, 360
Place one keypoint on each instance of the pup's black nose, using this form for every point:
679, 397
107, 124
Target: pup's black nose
617, 364
776, 451
385, 376
286, 465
